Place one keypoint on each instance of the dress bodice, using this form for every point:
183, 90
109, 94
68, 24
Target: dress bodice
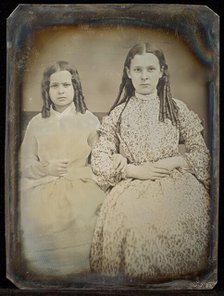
143, 136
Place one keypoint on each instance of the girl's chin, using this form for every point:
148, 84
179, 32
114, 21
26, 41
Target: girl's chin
145, 92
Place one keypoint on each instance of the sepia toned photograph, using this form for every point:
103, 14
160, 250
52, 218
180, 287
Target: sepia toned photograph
112, 154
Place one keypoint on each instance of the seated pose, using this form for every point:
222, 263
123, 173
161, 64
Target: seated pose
59, 199
154, 222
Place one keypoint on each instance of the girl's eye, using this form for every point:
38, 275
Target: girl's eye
67, 84
54, 85
150, 69
137, 70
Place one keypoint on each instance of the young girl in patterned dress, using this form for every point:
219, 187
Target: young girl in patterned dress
58, 198
154, 223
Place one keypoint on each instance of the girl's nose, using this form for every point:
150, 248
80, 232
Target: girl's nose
60, 89
144, 74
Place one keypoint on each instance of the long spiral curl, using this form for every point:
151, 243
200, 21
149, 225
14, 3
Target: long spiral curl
168, 107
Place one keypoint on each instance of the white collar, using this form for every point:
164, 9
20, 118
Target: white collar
149, 97
69, 109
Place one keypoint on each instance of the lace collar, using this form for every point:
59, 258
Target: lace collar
149, 97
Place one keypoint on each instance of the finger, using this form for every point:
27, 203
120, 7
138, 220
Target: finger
62, 174
116, 163
62, 171
121, 165
65, 160
63, 165
156, 167
160, 166
161, 170
124, 168
160, 175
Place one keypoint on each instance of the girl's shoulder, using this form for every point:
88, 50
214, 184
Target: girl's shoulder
36, 119
90, 118
182, 106
117, 110
186, 115
113, 116
39, 122
35, 123
179, 103
88, 114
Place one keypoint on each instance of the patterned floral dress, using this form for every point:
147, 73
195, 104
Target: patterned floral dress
152, 230
58, 214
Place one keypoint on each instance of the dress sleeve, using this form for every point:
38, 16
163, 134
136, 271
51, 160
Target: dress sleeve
106, 146
197, 154
30, 166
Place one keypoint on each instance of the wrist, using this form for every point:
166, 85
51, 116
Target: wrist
39, 169
180, 162
130, 170
45, 168
93, 177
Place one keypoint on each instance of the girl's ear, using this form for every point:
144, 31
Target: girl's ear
128, 72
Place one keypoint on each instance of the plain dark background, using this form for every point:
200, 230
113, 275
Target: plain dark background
6, 287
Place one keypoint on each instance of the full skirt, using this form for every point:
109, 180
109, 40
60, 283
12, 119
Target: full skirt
57, 225
153, 230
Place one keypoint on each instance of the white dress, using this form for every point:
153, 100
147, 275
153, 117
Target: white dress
58, 214
152, 230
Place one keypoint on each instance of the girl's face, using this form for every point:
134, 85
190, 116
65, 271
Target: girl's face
145, 72
61, 90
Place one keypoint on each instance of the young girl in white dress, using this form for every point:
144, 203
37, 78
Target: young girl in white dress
154, 223
59, 199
